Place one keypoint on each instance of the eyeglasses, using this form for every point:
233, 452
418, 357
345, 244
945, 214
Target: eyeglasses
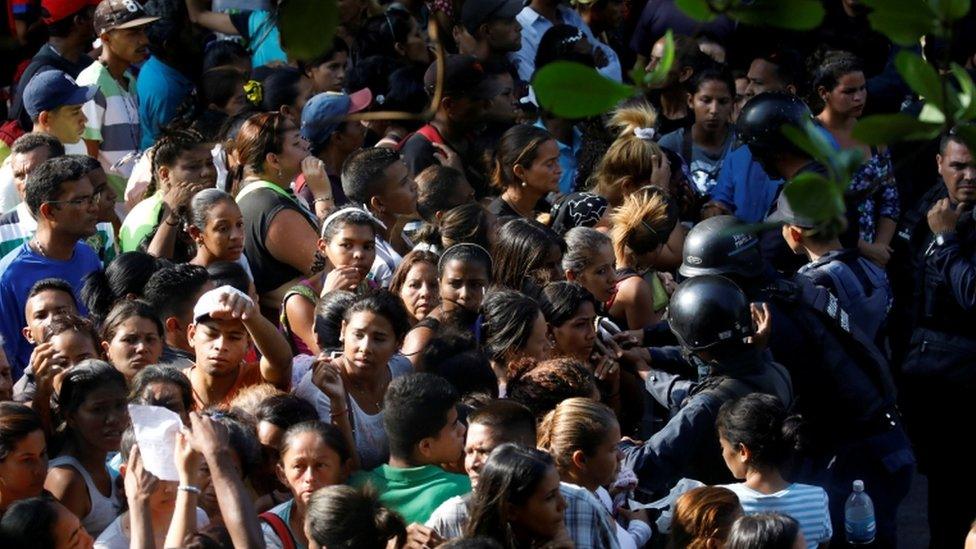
89, 200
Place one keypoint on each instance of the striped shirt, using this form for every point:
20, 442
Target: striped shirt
804, 502
113, 121
18, 225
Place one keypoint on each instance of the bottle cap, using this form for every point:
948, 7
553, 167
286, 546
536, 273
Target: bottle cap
858, 485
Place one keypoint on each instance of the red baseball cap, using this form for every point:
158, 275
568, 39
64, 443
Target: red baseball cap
55, 10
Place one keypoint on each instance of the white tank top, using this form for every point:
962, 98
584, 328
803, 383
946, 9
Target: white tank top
103, 509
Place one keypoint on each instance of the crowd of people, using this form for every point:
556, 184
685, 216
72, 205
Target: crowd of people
490, 327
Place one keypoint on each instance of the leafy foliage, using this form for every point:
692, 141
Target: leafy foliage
307, 27
572, 90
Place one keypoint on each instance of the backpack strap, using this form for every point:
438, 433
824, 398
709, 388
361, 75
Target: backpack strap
280, 529
429, 132
727, 388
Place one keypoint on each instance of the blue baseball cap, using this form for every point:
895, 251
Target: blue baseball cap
324, 112
49, 90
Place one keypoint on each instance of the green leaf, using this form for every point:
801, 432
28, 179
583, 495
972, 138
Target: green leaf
844, 163
814, 196
921, 77
950, 10
307, 27
637, 74
967, 95
572, 90
903, 21
881, 129
801, 139
660, 73
931, 114
785, 14
696, 9
810, 140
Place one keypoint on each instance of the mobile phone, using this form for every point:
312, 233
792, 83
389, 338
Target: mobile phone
606, 328
334, 355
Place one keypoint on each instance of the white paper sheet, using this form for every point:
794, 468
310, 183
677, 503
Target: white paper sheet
156, 429
666, 504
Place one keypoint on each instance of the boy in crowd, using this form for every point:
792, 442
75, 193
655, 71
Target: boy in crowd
225, 320
172, 292
378, 180
421, 419
54, 102
47, 299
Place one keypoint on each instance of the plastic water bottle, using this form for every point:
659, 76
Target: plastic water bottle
859, 516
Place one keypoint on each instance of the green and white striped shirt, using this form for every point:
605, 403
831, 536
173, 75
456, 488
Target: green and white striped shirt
113, 120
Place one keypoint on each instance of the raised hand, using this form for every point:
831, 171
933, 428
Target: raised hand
139, 482
325, 376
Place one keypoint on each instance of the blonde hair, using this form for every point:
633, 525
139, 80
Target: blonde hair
629, 155
645, 208
575, 424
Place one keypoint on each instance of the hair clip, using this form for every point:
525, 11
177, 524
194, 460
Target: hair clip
254, 92
647, 134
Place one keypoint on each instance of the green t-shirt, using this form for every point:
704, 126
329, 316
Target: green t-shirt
140, 222
414, 492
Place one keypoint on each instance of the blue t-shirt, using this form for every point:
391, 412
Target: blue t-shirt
19, 270
265, 41
745, 186
161, 90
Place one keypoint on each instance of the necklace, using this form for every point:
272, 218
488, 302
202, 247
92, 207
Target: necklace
358, 390
516, 208
36, 245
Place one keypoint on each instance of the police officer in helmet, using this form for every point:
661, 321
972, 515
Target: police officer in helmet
843, 384
760, 127
712, 319
860, 285
935, 274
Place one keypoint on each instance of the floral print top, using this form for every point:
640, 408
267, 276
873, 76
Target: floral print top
874, 181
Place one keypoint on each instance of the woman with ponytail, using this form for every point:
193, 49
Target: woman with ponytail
758, 441
525, 169
470, 223
582, 436
634, 159
646, 239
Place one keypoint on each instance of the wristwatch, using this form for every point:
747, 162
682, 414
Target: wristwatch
940, 241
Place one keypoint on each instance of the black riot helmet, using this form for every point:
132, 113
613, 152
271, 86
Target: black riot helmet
720, 246
761, 121
709, 310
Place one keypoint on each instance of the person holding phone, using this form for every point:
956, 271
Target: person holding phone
572, 328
